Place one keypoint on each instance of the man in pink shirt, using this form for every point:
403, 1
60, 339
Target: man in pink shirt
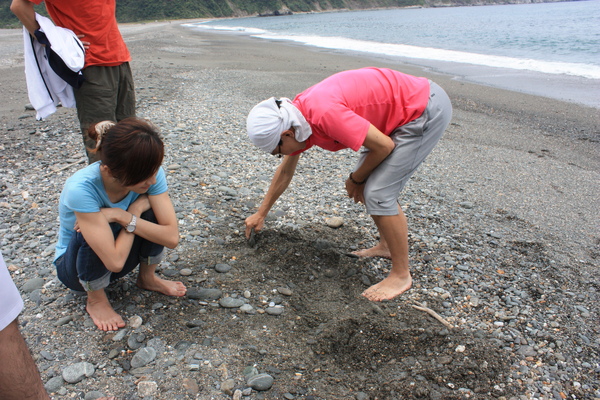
396, 118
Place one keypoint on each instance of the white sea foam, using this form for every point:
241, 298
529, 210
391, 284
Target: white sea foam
427, 53
239, 29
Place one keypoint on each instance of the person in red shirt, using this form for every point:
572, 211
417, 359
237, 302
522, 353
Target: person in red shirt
396, 119
107, 93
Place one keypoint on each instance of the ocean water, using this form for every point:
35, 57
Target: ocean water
548, 49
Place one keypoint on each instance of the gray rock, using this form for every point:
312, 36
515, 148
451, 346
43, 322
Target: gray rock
32, 284
222, 268
261, 382
334, 222
274, 310
285, 291
54, 384
143, 357
94, 395
227, 386
204, 294
230, 302
77, 372
147, 388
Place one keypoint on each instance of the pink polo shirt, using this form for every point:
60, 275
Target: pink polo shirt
340, 108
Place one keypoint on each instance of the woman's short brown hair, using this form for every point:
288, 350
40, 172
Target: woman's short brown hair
132, 149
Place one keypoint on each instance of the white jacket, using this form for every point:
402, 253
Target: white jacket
45, 88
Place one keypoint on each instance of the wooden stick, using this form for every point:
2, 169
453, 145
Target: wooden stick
435, 315
66, 166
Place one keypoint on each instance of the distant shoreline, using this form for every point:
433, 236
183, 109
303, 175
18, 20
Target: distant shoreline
573, 89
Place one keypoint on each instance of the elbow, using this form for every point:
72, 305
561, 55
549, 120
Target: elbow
114, 267
172, 242
18, 8
390, 146
14, 8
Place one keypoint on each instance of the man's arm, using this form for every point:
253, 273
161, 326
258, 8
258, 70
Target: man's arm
280, 182
380, 146
23, 9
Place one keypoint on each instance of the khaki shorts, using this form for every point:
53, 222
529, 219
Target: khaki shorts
107, 94
414, 141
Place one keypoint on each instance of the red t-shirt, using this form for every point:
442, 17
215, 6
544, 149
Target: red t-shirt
96, 20
340, 108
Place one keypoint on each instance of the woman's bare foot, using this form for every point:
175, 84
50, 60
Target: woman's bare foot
376, 251
102, 313
156, 284
388, 288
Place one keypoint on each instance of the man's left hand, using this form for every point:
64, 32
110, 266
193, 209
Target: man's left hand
355, 191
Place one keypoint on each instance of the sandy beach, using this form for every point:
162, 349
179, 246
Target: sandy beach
504, 226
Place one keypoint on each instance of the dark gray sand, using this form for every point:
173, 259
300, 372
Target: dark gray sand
504, 235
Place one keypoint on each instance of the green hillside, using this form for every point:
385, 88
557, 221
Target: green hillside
149, 10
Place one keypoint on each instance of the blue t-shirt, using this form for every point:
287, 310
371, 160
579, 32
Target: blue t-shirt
84, 192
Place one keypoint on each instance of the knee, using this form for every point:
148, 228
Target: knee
149, 216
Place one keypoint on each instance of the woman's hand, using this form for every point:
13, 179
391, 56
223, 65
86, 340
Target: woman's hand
114, 215
140, 205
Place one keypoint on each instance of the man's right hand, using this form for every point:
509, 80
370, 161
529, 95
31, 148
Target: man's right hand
256, 222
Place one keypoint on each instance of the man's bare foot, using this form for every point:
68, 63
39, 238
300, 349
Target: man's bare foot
388, 288
102, 313
376, 251
156, 284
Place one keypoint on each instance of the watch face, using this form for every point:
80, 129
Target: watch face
130, 228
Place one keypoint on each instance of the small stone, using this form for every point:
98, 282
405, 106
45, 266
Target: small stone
247, 308
147, 388
185, 272
191, 386
230, 302
143, 357
467, 205
64, 320
204, 294
93, 395
135, 322
119, 335
261, 382
77, 372
334, 222
274, 310
285, 291
54, 384
32, 284
222, 268
227, 386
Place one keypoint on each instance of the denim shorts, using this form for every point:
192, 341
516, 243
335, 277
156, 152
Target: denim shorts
413, 143
80, 269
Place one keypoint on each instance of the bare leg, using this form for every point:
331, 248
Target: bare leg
148, 280
379, 250
394, 230
19, 376
102, 313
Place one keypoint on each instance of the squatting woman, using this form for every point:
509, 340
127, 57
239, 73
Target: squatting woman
116, 214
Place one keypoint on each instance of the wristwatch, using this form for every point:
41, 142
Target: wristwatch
130, 227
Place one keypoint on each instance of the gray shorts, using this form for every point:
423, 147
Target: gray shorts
414, 141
